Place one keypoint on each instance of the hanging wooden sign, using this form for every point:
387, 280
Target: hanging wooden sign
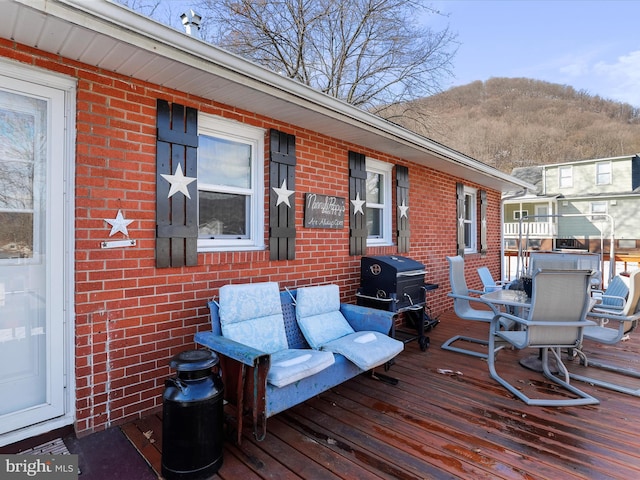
323, 211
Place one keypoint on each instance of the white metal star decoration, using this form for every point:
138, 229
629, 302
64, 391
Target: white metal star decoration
178, 182
118, 224
283, 194
403, 209
357, 204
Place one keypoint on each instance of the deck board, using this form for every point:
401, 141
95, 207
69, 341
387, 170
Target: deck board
446, 418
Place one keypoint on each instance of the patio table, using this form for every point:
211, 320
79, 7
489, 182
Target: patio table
509, 298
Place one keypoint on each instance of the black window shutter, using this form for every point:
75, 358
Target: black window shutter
176, 215
635, 172
483, 222
402, 199
282, 218
357, 190
460, 218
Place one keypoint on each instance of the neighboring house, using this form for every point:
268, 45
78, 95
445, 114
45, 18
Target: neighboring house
141, 169
577, 205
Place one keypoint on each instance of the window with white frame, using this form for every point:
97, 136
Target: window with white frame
230, 185
518, 214
378, 205
598, 209
603, 173
470, 220
565, 177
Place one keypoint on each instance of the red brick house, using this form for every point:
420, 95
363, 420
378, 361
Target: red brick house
141, 169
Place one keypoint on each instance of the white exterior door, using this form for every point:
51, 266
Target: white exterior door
33, 256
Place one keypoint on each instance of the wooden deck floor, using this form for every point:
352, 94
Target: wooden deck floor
446, 418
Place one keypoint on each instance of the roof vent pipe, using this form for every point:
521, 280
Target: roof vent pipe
191, 21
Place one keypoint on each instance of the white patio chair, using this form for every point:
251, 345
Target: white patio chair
462, 300
614, 326
488, 283
556, 320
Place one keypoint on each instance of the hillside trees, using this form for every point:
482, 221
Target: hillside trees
515, 122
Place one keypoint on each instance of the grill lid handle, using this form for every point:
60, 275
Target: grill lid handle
412, 273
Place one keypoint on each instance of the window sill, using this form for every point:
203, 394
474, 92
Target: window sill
232, 248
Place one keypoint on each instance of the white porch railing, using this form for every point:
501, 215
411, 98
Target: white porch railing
530, 229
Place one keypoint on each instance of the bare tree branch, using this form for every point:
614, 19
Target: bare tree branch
370, 53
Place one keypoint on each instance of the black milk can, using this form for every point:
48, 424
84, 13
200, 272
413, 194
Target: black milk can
192, 417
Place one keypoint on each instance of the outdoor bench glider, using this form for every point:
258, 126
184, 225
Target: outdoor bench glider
278, 349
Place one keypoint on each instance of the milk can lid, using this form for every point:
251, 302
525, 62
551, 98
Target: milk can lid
193, 360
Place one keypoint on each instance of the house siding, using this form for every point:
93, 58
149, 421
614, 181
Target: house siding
131, 317
584, 178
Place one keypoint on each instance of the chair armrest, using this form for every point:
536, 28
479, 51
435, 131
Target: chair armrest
580, 323
529, 323
237, 351
367, 319
620, 302
606, 309
508, 316
493, 308
612, 315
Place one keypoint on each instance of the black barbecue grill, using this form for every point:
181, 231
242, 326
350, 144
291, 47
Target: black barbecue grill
396, 283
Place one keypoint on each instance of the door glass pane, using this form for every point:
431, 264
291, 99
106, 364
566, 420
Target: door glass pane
23, 346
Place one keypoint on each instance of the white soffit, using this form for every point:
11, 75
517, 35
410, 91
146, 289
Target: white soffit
109, 36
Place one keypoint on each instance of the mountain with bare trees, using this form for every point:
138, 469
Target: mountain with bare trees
519, 122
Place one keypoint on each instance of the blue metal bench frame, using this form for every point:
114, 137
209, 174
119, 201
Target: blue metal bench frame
244, 369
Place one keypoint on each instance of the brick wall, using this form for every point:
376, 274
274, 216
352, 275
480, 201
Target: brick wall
131, 318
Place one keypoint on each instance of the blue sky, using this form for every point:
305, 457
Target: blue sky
589, 45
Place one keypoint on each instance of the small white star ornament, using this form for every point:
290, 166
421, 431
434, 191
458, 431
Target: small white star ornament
357, 204
283, 194
178, 182
118, 224
403, 210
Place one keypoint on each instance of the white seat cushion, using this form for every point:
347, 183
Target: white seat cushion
288, 366
325, 328
251, 314
366, 349
318, 315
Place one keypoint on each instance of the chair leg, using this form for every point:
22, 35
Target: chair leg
491, 359
448, 346
583, 397
610, 368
